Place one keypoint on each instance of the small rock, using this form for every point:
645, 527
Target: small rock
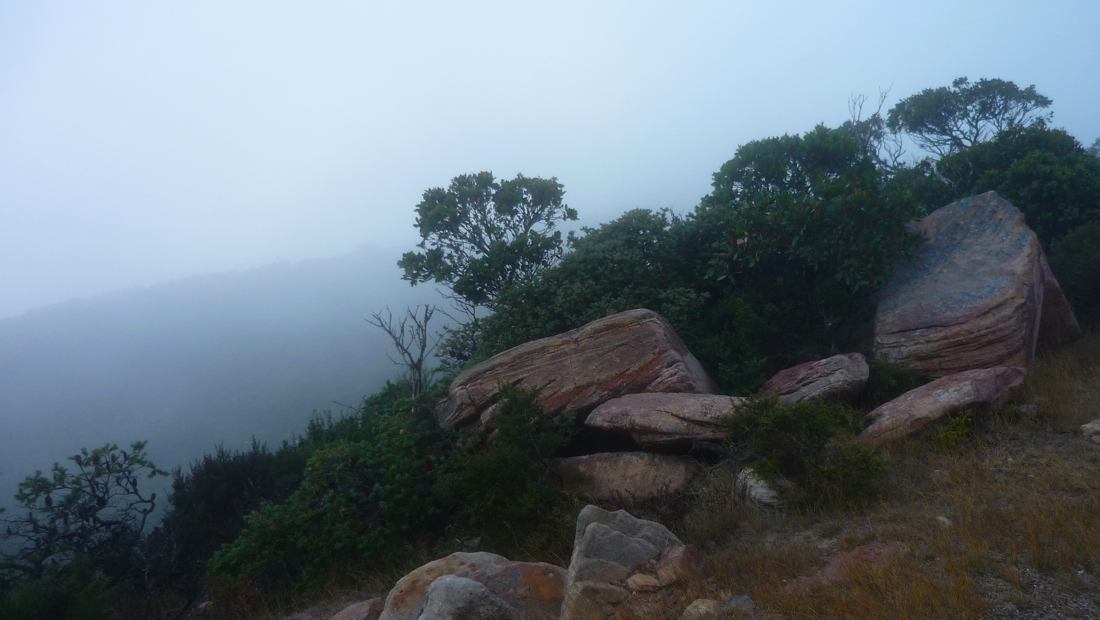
701, 609
751, 487
944, 521
684, 563
641, 582
733, 602
363, 610
1091, 429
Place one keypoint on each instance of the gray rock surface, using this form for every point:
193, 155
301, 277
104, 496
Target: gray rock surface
533, 589
608, 547
625, 353
833, 378
663, 419
457, 598
628, 476
970, 297
992, 388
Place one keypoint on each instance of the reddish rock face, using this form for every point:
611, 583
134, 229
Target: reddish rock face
836, 377
993, 388
970, 297
653, 419
533, 589
365, 610
625, 353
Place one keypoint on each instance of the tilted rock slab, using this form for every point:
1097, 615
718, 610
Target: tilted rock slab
451, 597
837, 377
608, 547
625, 353
970, 297
662, 420
533, 589
628, 476
992, 388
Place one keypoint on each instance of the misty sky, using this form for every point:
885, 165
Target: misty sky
142, 142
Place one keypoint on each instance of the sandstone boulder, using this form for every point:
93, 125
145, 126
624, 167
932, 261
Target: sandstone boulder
457, 598
992, 388
1058, 324
625, 353
608, 547
836, 377
970, 297
533, 589
664, 420
628, 476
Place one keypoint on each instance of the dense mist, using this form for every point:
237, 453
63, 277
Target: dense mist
197, 362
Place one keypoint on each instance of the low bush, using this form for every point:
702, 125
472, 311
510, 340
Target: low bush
71, 592
809, 445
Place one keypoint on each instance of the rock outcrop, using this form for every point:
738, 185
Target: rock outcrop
665, 420
992, 388
628, 476
970, 297
608, 547
457, 598
625, 353
533, 589
834, 378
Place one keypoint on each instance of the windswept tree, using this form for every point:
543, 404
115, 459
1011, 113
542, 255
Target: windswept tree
480, 236
95, 513
952, 118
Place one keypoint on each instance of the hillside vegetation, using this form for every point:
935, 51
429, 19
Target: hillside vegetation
779, 264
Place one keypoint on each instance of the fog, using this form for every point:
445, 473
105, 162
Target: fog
184, 186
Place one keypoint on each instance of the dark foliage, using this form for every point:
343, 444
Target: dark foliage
1075, 261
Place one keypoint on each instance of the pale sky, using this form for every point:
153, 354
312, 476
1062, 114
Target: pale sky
144, 142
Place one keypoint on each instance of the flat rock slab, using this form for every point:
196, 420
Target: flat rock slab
364, 610
834, 378
625, 353
628, 476
533, 589
992, 388
662, 420
970, 297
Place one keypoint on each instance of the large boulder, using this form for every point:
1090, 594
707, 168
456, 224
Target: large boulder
992, 388
608, 547
625, 353
533, 589
451, 597
665, 420
836, 377
970, 297
627, 476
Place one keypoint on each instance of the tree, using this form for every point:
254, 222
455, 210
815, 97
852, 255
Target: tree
1094, 150
96, 513
948, 119
480, 236
413, 342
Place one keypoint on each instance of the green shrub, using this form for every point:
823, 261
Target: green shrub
501, 485
73, 592
1076, 263
357, 499
809, 445
955, 432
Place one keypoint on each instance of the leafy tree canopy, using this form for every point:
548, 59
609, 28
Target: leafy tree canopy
480, 236
95, 513
951, 118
